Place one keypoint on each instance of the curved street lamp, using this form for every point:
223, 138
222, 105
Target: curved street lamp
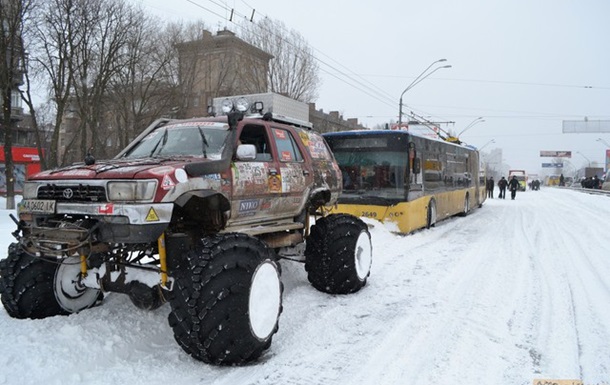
587, 159
416, 81
486, 144
602, 141
474, 122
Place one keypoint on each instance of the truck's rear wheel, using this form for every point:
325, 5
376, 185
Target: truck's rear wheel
338, 254
227, 301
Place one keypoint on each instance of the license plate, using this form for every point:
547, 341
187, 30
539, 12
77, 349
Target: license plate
37, 206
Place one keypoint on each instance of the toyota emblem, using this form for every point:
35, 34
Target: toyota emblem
68, 193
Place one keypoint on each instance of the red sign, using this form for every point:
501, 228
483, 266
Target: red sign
22, 154
106, 209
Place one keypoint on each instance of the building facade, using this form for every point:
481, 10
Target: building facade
219, 65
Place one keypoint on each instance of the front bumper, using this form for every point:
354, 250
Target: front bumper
114, 222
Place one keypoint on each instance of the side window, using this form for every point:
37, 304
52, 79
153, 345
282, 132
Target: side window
316, 145
287, 148
256, 135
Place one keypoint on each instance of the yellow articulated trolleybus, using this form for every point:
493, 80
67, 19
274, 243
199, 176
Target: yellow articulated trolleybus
402, 178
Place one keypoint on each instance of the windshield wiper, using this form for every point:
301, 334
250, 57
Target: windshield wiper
204, 141
162, 142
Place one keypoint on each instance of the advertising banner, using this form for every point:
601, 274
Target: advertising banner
556, 154
585, 126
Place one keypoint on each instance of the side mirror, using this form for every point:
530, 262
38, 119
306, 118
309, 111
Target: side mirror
246, 152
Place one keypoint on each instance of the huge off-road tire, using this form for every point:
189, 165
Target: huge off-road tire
338, 254
36, 288
26, 285
226, 300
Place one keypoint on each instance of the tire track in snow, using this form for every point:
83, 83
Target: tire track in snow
585, 265
386, 303
463, 318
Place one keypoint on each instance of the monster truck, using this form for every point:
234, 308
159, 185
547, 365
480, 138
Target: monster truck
196, 213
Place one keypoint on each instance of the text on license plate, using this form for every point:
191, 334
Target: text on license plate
38, 206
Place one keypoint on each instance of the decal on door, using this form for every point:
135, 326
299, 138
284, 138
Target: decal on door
275, 183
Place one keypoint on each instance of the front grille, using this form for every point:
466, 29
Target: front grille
72, 193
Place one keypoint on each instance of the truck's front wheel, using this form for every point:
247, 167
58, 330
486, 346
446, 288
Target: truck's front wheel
26, 285
227, 301
32, 287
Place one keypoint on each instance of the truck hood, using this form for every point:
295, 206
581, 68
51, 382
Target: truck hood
119, 169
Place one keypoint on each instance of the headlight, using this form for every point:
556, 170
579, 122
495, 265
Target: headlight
131, 191
30, 190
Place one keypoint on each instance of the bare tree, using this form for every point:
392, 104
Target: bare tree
104, 27
293, 71
12, 14
147, 86
52, 53
31, 75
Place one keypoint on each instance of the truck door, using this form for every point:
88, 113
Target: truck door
252, 190
294, 175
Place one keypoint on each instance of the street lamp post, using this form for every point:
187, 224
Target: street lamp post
477, 120
607, 153
603, 141
587, 159
568, 163
486, 144
416, 81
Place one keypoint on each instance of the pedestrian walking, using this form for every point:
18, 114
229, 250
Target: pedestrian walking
513, 186
490, 187
502, 183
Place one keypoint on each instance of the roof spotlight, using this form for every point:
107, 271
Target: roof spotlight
242, 105
227, 106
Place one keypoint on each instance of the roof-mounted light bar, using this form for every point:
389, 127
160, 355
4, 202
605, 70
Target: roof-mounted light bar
270, 106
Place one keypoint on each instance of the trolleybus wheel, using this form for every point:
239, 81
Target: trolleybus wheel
431, 214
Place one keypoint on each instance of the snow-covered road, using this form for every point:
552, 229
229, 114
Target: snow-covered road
518, 290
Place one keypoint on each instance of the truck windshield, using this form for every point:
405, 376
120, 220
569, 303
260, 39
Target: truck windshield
192, 139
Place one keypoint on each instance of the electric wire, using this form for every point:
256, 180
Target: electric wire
358, 81
378, 95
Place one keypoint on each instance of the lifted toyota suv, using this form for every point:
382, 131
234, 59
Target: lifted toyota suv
194, 212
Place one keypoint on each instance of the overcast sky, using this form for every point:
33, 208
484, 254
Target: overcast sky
522, 65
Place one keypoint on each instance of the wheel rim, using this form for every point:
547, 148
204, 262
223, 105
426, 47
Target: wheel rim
265, 300
363, 256
71, 295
